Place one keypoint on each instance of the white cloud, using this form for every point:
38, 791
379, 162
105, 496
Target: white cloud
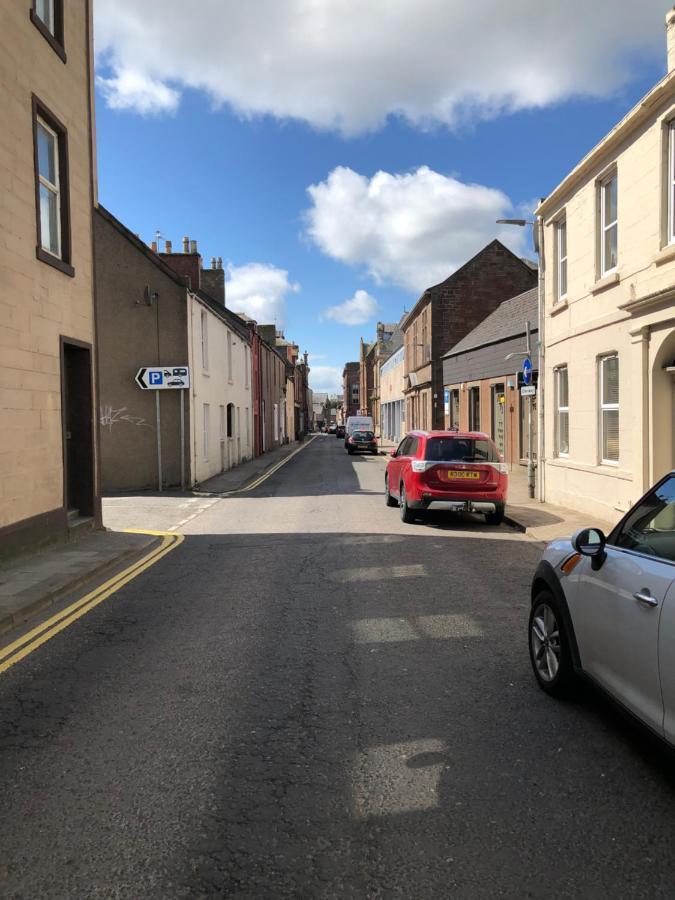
348, 65
355, 311
325, 378
260, 291
412, 229
132, 90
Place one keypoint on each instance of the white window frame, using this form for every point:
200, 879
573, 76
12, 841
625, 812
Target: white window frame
205, 432
607, 226
561, 410
246, 363
229, 356
670, 180
204, 319
561, 261
50, 23
607, 407
54, 189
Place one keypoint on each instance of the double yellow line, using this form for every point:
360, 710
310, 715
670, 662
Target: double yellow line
33, 639
275, 468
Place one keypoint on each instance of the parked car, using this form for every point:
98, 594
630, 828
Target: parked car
358, 423
332, 428
361, 441
435, 470
604, 607
340, 431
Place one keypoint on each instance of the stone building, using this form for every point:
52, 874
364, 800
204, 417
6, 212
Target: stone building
444, 314
609, 330
351, 375
48, 386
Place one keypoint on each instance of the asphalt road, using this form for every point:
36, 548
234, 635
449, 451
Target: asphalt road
310, 699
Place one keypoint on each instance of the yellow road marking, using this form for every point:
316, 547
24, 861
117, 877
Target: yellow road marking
27, 643
270, 472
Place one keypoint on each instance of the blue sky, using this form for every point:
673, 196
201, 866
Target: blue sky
232, 170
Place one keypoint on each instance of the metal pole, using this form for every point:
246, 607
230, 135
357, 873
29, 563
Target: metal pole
159, 442
530, 461
182, 439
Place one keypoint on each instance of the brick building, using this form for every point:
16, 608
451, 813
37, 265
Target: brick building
350, 389
48, 387
444, 314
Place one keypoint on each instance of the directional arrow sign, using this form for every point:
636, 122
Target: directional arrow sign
163, 378
527, 371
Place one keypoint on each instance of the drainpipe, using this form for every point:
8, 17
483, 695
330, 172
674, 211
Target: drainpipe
541, 309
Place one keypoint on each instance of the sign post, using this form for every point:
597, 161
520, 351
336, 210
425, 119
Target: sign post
166, 378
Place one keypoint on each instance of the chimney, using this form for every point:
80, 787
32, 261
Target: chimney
193, 246
186, 244
167, 247
220, 262
154, 246
213, 262
304, 355
670, 38
213, 281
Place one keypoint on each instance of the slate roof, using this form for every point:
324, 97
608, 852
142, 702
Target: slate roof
507, 321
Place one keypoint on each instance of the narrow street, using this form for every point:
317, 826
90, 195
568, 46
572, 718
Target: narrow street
308, 698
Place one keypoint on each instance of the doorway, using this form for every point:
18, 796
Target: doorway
78, 437
498, 418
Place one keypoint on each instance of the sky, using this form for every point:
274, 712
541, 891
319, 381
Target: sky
342, 156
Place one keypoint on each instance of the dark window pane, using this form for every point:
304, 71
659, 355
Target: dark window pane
460, 450
650, 528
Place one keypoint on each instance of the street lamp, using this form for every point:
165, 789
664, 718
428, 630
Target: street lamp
538, 242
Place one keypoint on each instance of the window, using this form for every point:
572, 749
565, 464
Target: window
562, 412
47, 16
670, 181
245, 367
561, 258
454, 408
474, 409
608, 224
230, 420
609, 409
460, 450
51, 189
205, 341
229, 356
650, 527
205, 434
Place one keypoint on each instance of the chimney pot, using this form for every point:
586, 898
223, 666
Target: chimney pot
154, 246
213, 262
220, 262
186, 244
167, 247
670, 38
193, 246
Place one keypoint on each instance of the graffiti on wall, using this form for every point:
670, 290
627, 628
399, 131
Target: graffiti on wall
111, 416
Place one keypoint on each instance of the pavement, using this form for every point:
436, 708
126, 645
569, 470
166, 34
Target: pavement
542, 522
36, 582
308, 698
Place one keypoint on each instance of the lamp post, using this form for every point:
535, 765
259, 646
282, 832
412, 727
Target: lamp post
538, 241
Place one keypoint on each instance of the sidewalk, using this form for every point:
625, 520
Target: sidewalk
31, 583
540, 521
240, 477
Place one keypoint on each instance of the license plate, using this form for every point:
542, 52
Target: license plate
451, 476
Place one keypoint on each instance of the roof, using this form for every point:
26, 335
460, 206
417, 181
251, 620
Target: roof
428, 293
507, 321
635, 117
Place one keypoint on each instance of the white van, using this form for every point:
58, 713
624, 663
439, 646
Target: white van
358, 423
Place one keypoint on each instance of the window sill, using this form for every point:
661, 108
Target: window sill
610, 470
559, 307
55, 262
665, 254
606, 282
48, 36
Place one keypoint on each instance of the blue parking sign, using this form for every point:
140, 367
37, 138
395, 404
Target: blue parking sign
155, 377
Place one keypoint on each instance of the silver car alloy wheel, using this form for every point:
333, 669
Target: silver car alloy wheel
545, 639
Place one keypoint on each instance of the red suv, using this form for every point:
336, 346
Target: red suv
447, 470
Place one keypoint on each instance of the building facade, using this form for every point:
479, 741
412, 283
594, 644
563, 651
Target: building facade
351, 375
142, 313
388, 337
444, 314
609, 293
48, 386
481, 387
392, 399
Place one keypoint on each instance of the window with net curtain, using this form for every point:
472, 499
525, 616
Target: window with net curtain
562, 411
609, 408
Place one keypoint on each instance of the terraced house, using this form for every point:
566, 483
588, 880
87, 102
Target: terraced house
48, 455
609, 246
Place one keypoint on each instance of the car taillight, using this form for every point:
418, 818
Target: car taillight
419, 465
503, 469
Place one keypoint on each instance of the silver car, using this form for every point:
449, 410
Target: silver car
604, 607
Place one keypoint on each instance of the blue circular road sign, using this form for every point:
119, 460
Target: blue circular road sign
527, 371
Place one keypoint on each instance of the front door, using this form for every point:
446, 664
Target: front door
617, 609
498, 405
78, 428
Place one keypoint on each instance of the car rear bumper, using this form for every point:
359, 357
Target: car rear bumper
480, 506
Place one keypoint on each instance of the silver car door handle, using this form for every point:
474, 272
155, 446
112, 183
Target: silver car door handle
646, 598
